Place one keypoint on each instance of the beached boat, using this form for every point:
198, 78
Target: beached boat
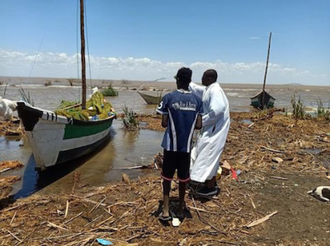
263, 99
151, 99
58, 139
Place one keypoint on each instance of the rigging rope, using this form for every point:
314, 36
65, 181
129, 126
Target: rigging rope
87, 42
35, 57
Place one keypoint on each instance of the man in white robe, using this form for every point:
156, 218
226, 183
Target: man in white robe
215, 127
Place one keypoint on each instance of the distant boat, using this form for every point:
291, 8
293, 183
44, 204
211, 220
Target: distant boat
257, 100
151, 99
263, 99
58, 139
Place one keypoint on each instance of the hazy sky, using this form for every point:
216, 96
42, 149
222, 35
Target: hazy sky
149, 39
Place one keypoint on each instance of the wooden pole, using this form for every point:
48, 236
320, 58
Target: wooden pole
263, 88
83, 63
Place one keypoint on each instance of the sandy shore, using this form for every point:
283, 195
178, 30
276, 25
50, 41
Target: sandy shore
280, 159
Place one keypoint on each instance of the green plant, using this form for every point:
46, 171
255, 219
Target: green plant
298, 108
321, 111
130, 119
26, 97
110, 92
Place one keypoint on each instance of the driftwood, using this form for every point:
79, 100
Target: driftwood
259, 221
271, 150
279, 178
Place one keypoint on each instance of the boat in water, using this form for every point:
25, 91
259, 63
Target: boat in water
263, 99
61, 136
150, 99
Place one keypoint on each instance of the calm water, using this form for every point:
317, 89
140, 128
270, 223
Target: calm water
125, 149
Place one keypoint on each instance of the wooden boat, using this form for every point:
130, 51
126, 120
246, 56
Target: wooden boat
257, 100
58, 139
151, 99
263, 99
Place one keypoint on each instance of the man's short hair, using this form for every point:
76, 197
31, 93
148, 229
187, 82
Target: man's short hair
184, 75
211, 73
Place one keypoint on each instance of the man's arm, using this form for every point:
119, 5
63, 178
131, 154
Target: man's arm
164, 120
198, 90
217, 109
163, 110
198, 124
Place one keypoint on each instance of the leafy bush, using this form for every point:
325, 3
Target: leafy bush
110, 92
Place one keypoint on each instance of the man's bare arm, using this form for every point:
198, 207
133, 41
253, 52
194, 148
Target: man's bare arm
164, 120
198, 122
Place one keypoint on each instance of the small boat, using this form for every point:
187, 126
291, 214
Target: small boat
57, 138
151, 99
263, 99
257, 100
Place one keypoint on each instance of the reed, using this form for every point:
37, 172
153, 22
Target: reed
298, 108
26, 97
321, 111
130, 119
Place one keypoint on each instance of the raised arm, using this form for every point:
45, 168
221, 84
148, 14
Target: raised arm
217, 108
198, 90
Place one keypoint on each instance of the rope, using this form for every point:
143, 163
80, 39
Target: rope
35, 57
87, 42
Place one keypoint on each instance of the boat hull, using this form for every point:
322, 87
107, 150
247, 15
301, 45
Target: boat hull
257, 101
149, 99
56, 139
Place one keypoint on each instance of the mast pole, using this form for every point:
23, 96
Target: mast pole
263, 88
83, 62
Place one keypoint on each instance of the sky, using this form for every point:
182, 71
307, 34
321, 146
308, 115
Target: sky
151, 39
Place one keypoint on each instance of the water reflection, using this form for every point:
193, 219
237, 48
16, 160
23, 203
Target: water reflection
123, 149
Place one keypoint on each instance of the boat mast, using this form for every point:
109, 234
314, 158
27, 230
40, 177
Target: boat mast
83, 63
263, 88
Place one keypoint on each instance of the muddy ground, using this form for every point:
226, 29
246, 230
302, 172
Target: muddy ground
280, 159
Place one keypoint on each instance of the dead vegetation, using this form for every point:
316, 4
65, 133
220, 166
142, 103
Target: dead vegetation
126, 213
11, 128
266, 147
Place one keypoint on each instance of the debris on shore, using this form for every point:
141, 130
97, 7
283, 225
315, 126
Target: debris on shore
279, 158
6, 182
11, 128
124, 213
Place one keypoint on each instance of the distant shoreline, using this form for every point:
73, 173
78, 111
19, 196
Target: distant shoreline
11, 80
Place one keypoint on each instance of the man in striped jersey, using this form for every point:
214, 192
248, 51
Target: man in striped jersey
181, 113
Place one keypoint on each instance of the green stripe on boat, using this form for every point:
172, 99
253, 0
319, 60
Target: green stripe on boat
74, 131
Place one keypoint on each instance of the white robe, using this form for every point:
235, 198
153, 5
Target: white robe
216, 122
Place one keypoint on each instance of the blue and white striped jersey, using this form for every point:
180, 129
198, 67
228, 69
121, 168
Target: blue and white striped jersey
182, 108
